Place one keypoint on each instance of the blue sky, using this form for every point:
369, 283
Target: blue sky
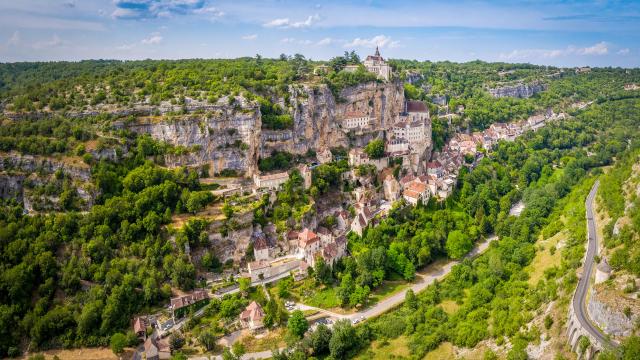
561, 33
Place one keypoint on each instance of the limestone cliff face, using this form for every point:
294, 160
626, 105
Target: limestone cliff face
318, 116
72, 167
609, 316
518, 91
231, 136
227, 137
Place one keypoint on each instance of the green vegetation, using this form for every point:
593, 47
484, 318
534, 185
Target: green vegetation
277, 161
273, 116
616, 188
375, 149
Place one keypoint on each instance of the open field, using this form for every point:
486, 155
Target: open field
392, 349
84, 354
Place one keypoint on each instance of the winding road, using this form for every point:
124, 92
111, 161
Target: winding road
580, 296
426, 279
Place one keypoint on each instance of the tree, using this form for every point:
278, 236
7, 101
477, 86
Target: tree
284, 286
319, 340
375, 149
344, 340
458, 244
118, 342
297, 324
244, 284
322, 271
176, 341
410, 299
208, 339
235, 352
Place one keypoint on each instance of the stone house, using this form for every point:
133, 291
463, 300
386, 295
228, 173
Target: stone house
270, 181
252, 316
140, 327
157, 349
416, 191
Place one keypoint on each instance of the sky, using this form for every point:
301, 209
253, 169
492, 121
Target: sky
559, 33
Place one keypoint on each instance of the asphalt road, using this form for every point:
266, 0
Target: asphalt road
396, 299
381, 307
579, 299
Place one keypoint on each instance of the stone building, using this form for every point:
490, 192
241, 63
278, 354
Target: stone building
271, 181
376, 64
355, 120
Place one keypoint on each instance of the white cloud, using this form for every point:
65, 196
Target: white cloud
624, 51
286, 23
14, 39
379, 40
210, 11
597, 49
154, 39
326, 41
250, 37
55, 41
277, 22
601, 48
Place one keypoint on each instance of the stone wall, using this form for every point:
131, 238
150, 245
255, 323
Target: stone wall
611, 321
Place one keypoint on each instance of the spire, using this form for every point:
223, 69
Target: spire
377, 51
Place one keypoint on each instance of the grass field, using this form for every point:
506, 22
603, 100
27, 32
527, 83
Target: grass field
442, 352
449, 306
85, 353
393, 349
274, 339
544, 259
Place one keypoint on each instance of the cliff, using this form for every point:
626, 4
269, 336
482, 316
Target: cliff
518, 91
224, 137
231, 136
318, 116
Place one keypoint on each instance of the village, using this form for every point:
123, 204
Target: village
410, 173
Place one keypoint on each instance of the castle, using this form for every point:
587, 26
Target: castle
377, 65
374, 64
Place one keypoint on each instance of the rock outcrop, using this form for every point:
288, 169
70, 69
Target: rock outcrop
609, 317
518, 91
72, 167
231, 136
227, 137
318, 116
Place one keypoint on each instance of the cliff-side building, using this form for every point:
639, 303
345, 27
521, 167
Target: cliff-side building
376, 64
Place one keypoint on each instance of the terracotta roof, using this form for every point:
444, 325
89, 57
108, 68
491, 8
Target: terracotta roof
341, 241
361, 221
323, 231
252, 312
407, 179
260, 243
416, 106
417, 187
139, 325
189, 299
307, 237
330, 251
292, 234
434, 164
